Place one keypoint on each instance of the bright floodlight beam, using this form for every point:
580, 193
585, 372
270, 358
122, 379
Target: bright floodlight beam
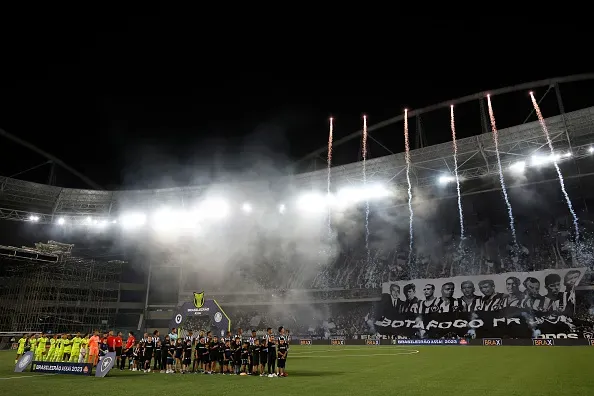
247, 208
214, 208
518, 167
133, 220
446, 179
312, 203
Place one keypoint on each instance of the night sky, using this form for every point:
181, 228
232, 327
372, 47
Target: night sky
139, 104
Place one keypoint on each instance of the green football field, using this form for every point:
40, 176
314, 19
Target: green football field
351, 370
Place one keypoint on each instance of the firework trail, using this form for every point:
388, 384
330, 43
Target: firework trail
410, 210
455, 144
330, 138
503, 187
364, 152
561, 180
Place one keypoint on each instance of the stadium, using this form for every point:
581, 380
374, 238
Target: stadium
381, 270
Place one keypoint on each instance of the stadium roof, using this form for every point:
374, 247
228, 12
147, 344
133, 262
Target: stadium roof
570, 132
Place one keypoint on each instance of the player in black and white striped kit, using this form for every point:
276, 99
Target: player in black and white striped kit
251, 342
284, 334
190, 337
157, 349
431, 303
271, 352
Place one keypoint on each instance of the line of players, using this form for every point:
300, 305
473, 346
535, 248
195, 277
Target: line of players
210, 354
64, 347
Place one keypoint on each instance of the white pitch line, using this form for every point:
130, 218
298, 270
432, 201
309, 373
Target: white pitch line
364, 355
26, 376
346, 350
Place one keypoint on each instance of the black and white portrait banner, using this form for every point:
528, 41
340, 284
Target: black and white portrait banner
513, 304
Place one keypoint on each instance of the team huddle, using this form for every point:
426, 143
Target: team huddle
210, 354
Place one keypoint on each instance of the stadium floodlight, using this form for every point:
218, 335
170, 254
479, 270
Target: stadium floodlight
446, 179
313, 203
133, 220
567, 155
187, 221
34, 218
247, 208
352, 195
539, 160
61, 221
591, 150
164, 219
518, 167
89, 220
213, 209
282, 208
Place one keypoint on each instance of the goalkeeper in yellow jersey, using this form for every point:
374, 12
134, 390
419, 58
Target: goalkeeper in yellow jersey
52, 349
21, 348
76, 341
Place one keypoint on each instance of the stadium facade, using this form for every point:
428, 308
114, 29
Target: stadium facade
39, 283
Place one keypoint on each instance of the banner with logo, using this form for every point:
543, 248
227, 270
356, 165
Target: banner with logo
401, 341
201, 307
63, 368
537, 304
105, 364
23, 362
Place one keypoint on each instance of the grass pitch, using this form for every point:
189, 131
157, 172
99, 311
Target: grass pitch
350, 370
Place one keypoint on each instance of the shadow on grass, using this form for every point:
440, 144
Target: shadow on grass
300, 373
